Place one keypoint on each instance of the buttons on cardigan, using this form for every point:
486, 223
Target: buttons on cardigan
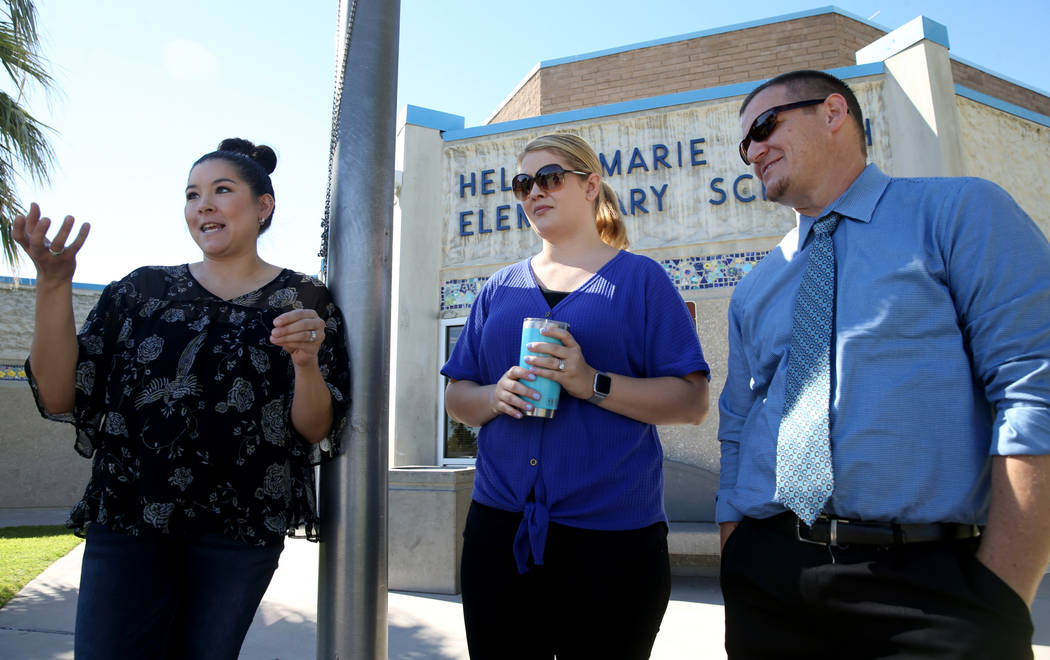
533, 462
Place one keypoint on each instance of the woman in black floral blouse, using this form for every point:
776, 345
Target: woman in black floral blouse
205, 394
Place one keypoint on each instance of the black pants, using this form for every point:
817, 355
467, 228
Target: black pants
788, 599
598, 594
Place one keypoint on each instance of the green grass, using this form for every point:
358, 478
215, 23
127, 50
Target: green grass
26, 551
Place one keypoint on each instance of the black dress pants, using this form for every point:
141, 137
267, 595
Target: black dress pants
789, 599
598, 594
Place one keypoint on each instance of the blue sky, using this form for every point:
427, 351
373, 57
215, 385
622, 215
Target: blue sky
147, 87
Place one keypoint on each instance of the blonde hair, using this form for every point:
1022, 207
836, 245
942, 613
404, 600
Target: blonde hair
580, 156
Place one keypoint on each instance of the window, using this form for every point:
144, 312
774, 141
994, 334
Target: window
457, 443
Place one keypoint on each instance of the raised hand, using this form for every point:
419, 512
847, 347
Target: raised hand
55, 259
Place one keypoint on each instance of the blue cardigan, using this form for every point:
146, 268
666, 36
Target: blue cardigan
587, 467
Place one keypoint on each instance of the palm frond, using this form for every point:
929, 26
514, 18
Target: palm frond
22, 16
23, 139
20, 59
24, 146
9, 208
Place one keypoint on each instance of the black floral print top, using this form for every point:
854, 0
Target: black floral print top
185, 406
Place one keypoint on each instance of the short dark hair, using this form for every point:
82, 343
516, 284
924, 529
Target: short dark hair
811, 84
253, 163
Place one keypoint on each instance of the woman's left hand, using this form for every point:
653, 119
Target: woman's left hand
299, 332
563, 364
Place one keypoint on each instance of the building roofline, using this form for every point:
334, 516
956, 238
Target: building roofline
829, 9
30, 281
638, 105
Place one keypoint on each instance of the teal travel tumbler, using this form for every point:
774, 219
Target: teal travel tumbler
549, 390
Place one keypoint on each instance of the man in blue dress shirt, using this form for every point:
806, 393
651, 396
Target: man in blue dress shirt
937, 529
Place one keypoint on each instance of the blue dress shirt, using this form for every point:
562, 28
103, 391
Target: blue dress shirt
941, 352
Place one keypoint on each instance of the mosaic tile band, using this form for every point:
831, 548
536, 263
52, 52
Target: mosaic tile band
14, 372
687, 274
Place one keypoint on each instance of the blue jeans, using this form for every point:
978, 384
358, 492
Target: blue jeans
167, 598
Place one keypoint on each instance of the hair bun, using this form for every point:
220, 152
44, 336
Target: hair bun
262, 154
266, 158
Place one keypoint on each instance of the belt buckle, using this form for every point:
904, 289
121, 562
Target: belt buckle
799, 537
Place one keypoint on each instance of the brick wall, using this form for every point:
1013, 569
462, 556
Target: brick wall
524, 103
967, 76
819, 42
825, 41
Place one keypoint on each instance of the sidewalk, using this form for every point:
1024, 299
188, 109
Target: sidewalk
38, 623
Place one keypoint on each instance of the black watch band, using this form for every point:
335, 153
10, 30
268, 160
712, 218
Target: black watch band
602, 385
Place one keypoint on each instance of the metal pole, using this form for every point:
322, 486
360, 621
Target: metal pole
352, 583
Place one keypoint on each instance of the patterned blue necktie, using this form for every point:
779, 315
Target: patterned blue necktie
804, 475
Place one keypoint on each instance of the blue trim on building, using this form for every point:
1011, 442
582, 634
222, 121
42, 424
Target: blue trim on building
830, 9
427, 118
1005, 106
903, 38
29, 281
639, 105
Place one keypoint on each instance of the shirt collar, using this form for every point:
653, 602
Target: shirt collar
857, 203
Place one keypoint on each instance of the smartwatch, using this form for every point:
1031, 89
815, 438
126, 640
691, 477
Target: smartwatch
602, 384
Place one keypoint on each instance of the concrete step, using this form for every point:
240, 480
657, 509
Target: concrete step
693, 547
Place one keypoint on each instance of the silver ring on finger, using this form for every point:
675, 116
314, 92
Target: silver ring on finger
561, 366
56, 253
313, 336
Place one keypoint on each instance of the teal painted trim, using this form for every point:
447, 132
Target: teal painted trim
29, 281
427, 118
639, 105
707, 33
1000, 76
904, 37
935, 32
1005, 106
858, 71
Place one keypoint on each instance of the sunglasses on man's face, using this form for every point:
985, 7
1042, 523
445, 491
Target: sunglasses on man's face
766, 123
548, 178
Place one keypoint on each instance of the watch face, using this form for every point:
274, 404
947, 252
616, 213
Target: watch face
602, 384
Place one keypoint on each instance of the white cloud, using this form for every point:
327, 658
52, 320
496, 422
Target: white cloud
185, 60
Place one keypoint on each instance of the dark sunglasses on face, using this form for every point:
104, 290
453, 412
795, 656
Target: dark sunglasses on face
766, 123
548, 178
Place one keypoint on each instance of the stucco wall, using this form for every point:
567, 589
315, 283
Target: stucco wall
38, 467
1011, 151
17, 305
414, 304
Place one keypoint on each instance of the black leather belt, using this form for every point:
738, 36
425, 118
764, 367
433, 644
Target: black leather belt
839, 532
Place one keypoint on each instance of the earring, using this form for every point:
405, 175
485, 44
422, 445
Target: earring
262, 221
